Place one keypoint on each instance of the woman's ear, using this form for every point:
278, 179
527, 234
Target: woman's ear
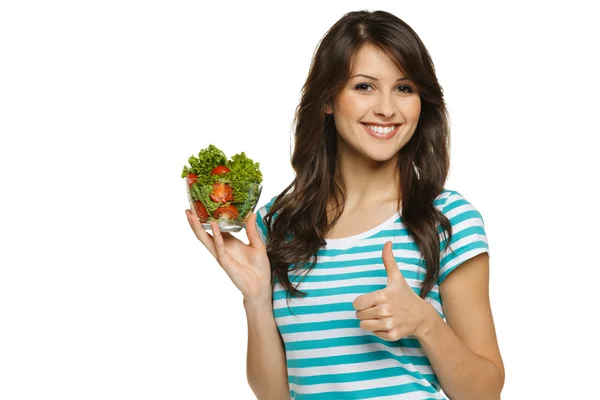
327, 108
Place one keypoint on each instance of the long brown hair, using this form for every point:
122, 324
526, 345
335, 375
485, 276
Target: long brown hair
298, 219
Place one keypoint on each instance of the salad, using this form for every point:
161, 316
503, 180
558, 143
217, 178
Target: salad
221, 187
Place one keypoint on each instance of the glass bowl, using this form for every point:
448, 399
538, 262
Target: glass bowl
210, 203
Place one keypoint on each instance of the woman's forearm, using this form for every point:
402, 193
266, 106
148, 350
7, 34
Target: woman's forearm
463, 374
266, 366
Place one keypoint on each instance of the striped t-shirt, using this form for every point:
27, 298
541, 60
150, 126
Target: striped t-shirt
328, 355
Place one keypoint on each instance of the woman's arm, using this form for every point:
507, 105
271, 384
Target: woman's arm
464, 351
266, 367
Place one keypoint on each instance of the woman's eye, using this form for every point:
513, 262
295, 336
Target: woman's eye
360, 86
408, 88
403, 88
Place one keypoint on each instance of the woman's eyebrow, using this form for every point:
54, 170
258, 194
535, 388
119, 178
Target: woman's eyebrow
375, 79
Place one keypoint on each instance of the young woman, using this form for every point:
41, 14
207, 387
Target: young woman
350, 280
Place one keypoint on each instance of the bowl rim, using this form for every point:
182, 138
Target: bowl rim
229, 181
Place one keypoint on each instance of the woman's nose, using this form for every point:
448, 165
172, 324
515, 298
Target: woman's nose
384, 106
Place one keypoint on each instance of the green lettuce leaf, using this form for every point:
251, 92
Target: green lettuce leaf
207, 159
243, 172
202, 193
243, 169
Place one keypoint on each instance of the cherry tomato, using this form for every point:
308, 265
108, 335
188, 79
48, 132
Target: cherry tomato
221, 193
201, 211
192, 178
226, 212
221, 169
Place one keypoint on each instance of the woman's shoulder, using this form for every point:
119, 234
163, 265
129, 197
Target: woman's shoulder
449, 199
266, 206
261, 212
457, 208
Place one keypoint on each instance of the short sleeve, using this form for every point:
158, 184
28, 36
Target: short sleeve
468, 234
260, 222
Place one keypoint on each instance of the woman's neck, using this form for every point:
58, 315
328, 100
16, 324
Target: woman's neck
368, 183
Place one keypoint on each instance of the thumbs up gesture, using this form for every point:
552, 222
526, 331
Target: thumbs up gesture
396, 311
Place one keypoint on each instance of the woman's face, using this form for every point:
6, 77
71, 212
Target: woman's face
382, 98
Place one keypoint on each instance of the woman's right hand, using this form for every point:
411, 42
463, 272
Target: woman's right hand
247, 265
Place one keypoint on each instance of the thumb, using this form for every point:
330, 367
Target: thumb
254, 238
391, 267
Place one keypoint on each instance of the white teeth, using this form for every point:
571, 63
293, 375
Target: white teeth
380, 129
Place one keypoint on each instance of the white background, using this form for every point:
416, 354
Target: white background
105, 293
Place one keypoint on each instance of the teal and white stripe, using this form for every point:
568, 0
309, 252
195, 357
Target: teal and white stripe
328, 355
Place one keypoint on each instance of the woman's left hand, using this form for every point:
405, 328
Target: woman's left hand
395, 311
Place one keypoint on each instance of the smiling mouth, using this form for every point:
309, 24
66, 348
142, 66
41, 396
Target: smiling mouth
385, 133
